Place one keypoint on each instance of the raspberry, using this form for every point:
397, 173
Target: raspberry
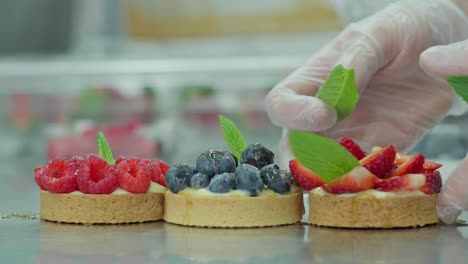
76, 162
133, 175
57, 176
119, 159
164, 168
38, 177
96, 176
154, 168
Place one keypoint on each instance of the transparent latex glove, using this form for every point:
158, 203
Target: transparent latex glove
399, 102
443, 62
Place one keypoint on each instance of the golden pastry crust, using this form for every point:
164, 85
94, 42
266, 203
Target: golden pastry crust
101, 209
371, 212
226, 211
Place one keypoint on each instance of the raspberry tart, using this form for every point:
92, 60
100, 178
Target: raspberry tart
383, 189
98, 190
228, 190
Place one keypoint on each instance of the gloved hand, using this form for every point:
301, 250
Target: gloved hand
443, 62
399, 102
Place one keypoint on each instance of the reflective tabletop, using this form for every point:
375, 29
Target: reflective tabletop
34, 241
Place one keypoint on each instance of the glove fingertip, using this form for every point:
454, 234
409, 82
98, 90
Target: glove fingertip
445, 61
448, 214
300, 112
430, 61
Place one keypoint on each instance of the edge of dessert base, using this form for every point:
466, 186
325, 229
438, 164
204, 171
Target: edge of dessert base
101, 208
371, 212
233, 212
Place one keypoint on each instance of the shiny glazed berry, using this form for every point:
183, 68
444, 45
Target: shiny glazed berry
248, 179
199, 180
223, 183
257, 156
178, 177
216, 162
276, 179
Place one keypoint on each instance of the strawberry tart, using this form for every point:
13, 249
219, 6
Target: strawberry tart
95, 190
384, 189
222, 192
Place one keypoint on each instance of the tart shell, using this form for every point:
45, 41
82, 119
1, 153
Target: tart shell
102, 208
371, 212
231, 212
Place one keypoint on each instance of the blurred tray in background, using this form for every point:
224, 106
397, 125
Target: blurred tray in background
176, 104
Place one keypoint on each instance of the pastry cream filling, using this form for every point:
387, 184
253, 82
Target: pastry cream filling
234, 193
368, 193
153, 188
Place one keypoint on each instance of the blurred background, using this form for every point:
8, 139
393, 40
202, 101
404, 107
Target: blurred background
155, 74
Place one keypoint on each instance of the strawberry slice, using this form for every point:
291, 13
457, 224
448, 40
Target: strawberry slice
304, 177
433, 183
358, 179
429, 183
380, 162
428, 165
353, 148
407, 182
413, 165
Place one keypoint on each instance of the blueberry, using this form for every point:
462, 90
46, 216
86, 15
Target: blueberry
257, 155
223, 183
226, 162
199, 180
205, 164
268, 170
248, 179
216, 162
276, 179
290, 178
178, 177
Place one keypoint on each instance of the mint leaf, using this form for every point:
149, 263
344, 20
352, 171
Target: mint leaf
321, 155
339, 91
460, 86
233, 136
104, 149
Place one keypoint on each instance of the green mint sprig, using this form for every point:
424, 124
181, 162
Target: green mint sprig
104, 149
339, 91
233, 136
321, 155
460, 85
